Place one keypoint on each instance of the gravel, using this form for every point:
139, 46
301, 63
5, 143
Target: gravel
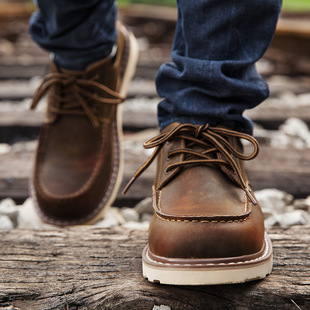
280, 209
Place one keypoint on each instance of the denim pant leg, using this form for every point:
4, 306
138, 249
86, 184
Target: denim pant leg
213, 78
76, 32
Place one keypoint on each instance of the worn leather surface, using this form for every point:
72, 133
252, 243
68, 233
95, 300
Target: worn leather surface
202, 212
77, 160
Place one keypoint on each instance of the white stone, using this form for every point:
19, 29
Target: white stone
279, 139
302, 204
130, 215
289, 99
145, 206
267, 213
6, 47
6, 203
161, 307
296, 128
136, 225
112, 217
29, 219
262, 134
146, 217
9, 308
9, 208
273, 200
24, 146
272, 221
5, 148
297, 217
107, 223
5, 222
304, 99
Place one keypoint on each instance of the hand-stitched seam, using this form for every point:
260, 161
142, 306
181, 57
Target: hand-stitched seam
258, 259
201, 221
160, 161
245, 202
159, 200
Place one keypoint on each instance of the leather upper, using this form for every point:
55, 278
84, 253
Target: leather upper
201, 207
77, 160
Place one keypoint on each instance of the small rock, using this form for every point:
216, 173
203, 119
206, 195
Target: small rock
112, 217
272, 221
9, 208
298, 130
146, 217
267, 213
289, 99
161, 308
302, 204
5, 148
144, 206
297, 217
261, 134
136, 225
304, 99
24, 146
279, 139
130, 215
5, 222
107, 223
9, 308
6, 47
273, 200
28, 217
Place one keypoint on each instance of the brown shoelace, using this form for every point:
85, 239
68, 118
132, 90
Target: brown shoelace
210, 141
76, 92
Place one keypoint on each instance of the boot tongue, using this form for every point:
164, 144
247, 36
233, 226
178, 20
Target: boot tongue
105, 71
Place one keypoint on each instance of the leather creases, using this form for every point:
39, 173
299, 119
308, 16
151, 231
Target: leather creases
202, 145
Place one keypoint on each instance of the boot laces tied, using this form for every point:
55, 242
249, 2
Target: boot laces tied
77, 92
210, 141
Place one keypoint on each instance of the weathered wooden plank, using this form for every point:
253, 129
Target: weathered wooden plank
271, 117
26, 124
91, 268
139, 113
284, 169
287, 170
19, 89
299, 27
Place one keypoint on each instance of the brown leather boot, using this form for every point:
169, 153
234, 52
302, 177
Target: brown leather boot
207, 226
78, 165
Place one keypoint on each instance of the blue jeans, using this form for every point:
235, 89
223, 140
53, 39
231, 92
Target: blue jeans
76, 32
212, 78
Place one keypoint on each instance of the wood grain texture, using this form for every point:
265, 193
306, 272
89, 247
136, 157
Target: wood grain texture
91, 268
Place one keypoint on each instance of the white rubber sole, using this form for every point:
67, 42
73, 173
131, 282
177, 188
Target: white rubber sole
208, 272
118, 132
